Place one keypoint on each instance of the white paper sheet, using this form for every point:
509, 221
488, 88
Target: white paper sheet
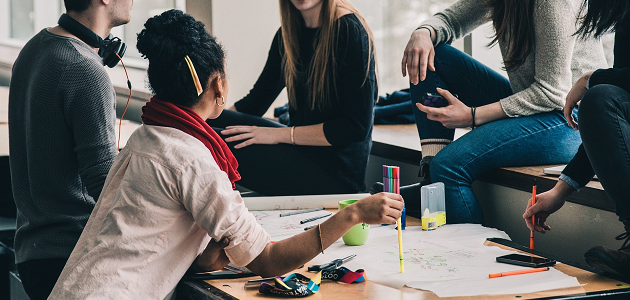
482, 285
298, 202
280, 228
449, 261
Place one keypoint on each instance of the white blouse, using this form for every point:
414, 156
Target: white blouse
164, 199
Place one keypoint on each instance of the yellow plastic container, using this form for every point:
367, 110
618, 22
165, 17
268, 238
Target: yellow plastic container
429, 222
440, 218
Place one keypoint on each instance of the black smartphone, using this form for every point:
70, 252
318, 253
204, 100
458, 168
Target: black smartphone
433, 100
525, 260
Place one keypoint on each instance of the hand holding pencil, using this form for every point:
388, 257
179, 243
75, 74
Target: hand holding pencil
546, 204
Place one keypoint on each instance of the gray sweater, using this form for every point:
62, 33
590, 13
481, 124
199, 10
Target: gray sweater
555, 63
62, 142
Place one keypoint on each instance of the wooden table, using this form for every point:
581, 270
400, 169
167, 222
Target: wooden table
594, 285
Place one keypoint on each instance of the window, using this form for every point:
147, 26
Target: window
22, 25
392, 22
21, 19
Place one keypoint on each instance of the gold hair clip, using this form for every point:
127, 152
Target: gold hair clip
194, 75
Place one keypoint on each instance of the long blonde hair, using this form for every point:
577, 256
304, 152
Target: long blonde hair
321, 72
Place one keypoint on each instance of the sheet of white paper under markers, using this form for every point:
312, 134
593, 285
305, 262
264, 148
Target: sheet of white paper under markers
280, 228
449, 261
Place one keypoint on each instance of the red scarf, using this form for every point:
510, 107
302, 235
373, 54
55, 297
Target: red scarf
162, 113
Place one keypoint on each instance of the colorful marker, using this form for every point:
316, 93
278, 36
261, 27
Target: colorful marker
391, 180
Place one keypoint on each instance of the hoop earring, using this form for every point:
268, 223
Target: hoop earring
217, 101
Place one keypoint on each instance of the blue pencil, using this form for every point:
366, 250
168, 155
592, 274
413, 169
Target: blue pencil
314, 218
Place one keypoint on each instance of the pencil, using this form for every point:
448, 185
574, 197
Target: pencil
394, 175
503, 274
400, 247
314, 218
531, 235
301, 211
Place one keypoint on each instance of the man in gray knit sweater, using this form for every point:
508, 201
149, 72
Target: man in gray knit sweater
62, 139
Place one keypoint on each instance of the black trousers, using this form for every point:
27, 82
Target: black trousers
604, 122
276, 170
40, 275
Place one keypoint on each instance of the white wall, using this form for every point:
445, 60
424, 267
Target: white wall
490, 57
246, 29
5, 19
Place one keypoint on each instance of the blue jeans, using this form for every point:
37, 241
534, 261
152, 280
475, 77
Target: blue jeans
538, 139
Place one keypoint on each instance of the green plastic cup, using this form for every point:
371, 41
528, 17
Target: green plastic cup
358, 234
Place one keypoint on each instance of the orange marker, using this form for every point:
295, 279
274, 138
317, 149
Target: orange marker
531, 235
495, 275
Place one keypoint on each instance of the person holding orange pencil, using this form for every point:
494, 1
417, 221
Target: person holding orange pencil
604, 97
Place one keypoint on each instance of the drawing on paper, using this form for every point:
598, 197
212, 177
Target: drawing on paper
280, 228
261, 215
422, 259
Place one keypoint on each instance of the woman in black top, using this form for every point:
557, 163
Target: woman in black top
604, 115
323, 53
